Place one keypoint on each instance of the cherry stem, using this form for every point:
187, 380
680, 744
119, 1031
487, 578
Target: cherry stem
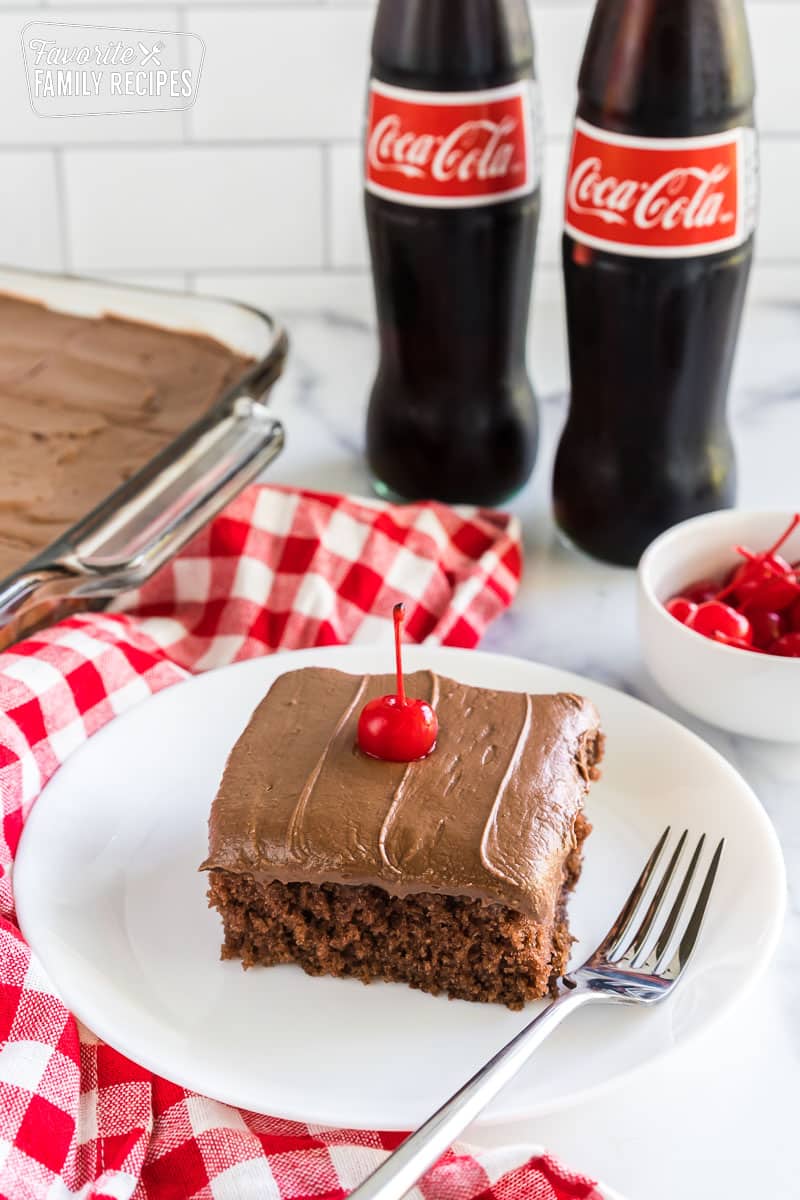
726, 591
769, 568
398, 613
785, 537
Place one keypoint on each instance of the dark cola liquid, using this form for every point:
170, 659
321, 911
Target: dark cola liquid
652, 341
452, 413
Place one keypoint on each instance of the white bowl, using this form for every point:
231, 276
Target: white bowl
752, 694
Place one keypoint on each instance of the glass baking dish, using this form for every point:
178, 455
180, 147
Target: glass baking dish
142, 524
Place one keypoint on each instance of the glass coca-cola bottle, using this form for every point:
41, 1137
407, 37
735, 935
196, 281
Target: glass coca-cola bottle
452, 205
660, 213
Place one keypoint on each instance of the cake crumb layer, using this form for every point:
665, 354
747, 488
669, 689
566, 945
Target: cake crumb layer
465, 948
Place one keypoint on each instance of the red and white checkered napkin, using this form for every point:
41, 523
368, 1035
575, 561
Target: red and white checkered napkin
280, 569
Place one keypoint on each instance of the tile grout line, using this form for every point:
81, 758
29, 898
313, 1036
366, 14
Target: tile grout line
180, 23
224, 5
286, 6
551, 141
327, 214
62, 209
88, 6
254, 271
790, 265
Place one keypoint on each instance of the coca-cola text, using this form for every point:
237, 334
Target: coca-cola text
441, 149
652, 196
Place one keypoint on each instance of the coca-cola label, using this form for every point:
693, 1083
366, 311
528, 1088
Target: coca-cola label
450, 149
661, 197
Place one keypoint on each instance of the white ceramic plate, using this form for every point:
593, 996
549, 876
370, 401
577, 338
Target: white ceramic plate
109, 896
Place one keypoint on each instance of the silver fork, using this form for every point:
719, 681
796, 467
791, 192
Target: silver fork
632, 965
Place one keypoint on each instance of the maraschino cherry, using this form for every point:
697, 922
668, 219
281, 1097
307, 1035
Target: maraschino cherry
757, 607
397, 728
681, 608
767, 627
787, 646
765, 581
699, 593
794, 617
713, 618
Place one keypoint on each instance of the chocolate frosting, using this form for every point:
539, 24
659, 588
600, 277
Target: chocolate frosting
490, 813
84, 403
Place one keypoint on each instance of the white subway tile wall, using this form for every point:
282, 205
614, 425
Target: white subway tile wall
198, 206
256, 191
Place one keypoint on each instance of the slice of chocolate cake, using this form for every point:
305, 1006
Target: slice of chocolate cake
450, 874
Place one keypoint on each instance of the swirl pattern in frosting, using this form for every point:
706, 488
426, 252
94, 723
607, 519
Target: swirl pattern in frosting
490, 814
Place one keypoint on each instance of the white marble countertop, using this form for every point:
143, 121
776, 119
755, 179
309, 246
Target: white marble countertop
720, 1121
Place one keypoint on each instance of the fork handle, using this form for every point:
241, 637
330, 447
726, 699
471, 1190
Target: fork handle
401, 1170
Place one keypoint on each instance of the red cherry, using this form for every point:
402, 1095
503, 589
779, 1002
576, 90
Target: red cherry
737, 643
713, 617
759, 566
777, 595
395, 728
698, 593
767, 585
681, 609
766, 580
793, 617
787, 646
767, 627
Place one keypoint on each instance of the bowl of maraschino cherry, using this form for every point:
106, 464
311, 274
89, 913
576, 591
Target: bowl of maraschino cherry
719, 617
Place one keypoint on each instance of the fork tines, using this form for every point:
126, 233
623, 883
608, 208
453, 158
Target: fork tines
644, 932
